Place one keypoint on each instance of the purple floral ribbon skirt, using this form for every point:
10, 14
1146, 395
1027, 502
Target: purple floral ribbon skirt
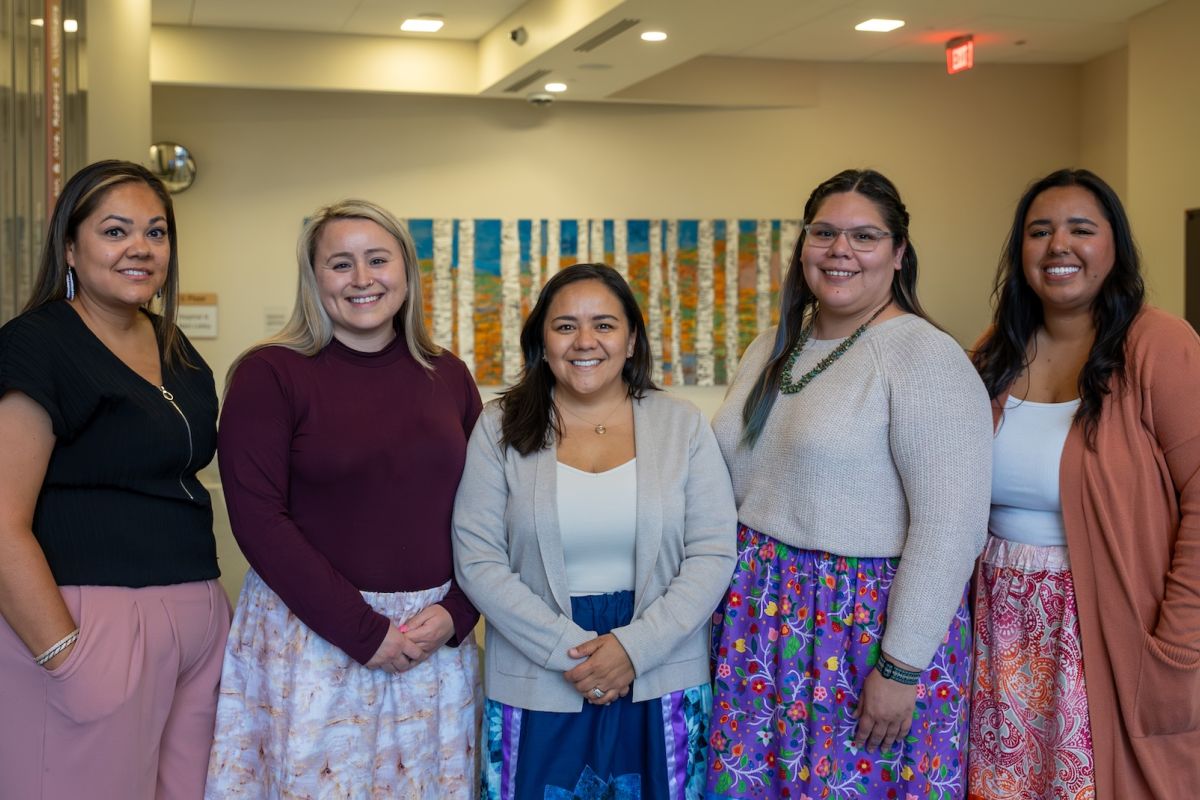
794, 638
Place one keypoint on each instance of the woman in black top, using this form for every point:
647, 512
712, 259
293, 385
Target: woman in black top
113, 623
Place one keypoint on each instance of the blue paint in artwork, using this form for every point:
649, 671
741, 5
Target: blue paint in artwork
524, 228
689, 234
542, 229
487, 246
568, 235
422, 234
638, 238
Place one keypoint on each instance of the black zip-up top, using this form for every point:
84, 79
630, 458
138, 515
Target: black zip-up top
120, 504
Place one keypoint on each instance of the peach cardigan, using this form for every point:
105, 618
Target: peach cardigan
1131, 508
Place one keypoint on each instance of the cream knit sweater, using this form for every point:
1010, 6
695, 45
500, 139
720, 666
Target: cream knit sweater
886, 453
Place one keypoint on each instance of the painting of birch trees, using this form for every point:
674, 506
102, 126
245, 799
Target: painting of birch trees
706, 287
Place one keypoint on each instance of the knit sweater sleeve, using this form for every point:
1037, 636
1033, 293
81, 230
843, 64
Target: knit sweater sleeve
941, 441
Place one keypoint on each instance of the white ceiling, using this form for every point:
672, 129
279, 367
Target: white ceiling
465, 19
1049, 31
1005, 31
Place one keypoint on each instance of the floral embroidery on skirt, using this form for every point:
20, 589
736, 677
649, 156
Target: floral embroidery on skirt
794, 639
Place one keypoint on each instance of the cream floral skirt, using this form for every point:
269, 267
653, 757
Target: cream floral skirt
298, 718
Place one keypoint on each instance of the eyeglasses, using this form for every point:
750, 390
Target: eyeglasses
863, 240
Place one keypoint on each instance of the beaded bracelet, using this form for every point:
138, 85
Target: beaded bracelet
57, 647
892, 672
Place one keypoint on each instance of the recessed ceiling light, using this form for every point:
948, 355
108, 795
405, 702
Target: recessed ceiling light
422, 25
654, 36
879, 25
37, 21
70, 25
556, 87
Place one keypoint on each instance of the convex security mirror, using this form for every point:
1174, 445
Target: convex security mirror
173, 165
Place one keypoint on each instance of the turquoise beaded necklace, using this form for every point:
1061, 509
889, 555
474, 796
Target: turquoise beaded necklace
789, 385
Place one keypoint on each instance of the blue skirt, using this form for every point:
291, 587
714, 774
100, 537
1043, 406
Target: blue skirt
653, 750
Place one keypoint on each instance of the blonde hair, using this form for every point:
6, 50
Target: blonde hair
309, 330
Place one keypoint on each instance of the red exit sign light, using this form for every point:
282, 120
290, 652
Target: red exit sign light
960, 54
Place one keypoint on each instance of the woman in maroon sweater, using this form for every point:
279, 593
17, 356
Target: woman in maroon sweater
351, 670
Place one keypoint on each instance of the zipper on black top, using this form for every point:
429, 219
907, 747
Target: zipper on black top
170, 398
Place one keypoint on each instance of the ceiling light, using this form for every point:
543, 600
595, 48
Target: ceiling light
879, 25
70, 25
37, 21
654, 36
556, 87
422, 25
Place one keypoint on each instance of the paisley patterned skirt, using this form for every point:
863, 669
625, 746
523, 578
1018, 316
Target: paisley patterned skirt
795, 637
652, 750
1030, 731
298, 718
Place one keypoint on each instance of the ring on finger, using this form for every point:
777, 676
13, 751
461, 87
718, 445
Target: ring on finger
597, 692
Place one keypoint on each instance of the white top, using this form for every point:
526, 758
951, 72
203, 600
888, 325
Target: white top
1026, 505
886, 453
597, 518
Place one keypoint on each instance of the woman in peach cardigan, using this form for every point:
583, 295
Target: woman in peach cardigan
1087, 647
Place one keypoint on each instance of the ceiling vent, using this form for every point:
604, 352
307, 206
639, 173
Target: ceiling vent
606, 34
532, 77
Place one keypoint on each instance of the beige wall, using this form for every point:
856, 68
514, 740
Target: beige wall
118, 79
1104, 114
960, 150
1164, 141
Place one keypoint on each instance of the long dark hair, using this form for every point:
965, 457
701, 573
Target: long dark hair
798, 304
1004, 353
530, 420
86, 189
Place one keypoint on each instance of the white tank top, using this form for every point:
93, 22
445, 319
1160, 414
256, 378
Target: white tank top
597, 518
1027, 450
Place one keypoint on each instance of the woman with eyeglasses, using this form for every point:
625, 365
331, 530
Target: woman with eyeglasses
1087, 682
857, 437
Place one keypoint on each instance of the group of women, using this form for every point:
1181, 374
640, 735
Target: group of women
791, 602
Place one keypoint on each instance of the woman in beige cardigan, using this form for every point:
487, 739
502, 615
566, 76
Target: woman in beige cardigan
594, 529
1088, 611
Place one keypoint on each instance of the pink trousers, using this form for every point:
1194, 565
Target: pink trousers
129, 714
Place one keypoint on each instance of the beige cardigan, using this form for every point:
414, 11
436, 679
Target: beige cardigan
1131, 509
509, 560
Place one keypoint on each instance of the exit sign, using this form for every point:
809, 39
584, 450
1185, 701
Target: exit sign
960, 54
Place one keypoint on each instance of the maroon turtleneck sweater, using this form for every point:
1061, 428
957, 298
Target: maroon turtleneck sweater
339, 472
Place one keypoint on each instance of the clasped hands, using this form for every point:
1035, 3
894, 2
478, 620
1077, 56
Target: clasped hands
606, 668
407, 645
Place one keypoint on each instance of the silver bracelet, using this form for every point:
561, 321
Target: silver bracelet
57, 647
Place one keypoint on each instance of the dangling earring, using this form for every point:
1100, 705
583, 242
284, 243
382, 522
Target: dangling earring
158, 294
70, 283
